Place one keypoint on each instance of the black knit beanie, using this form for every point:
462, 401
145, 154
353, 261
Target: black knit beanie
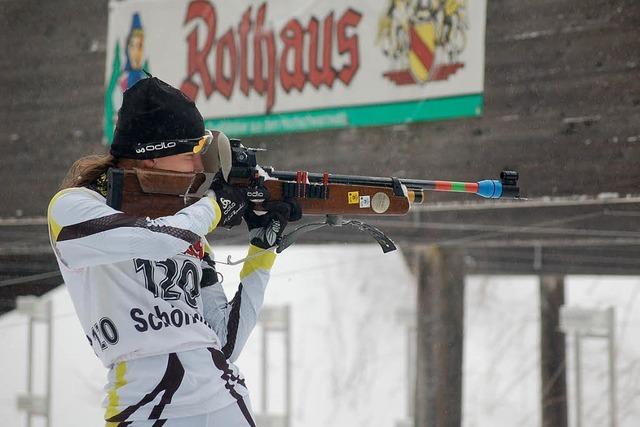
154, 112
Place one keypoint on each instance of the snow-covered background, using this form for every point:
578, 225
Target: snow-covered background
349, 346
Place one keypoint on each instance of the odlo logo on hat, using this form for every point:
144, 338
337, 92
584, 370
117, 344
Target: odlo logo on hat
156, 147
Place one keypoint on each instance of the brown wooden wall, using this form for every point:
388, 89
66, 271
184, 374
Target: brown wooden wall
51, 81
562, 104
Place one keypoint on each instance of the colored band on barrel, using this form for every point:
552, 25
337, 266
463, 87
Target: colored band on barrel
462, 187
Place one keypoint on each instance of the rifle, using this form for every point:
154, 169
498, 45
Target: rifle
153, 193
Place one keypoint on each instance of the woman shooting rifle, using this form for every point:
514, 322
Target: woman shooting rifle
145, 290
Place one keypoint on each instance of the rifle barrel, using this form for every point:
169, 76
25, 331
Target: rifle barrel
493, 188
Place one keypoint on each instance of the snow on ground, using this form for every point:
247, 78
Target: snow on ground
349, 346
501, 351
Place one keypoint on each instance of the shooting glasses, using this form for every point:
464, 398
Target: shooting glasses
170, 147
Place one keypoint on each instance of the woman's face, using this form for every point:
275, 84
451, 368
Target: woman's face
186, 162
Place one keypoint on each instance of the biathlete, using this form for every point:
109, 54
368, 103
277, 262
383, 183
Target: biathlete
145, 290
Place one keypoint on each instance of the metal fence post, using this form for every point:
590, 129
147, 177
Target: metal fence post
37, 310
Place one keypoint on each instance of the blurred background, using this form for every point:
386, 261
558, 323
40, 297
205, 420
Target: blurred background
509, 313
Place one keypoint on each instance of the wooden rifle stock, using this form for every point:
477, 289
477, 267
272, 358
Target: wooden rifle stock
155, 193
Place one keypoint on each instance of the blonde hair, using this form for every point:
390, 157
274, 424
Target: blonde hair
87, 169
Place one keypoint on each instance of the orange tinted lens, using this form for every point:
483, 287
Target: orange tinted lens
203, 144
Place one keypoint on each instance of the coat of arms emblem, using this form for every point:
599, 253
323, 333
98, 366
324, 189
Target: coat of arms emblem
423, 39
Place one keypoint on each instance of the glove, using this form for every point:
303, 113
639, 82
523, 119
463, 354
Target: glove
266, 230
232, 200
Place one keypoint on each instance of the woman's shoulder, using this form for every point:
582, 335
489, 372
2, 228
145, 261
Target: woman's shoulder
74, 195
77, 192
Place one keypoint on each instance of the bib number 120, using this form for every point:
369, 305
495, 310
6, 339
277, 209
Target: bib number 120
186, 278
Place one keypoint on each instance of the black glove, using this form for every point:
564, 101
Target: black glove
266, 230
232, 200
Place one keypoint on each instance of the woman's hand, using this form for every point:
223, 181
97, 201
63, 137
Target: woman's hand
232, 200
266, 228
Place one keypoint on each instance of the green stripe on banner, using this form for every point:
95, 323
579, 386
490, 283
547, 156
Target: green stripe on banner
357, 116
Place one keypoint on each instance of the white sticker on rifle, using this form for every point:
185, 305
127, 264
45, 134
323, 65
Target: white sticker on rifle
365, 201
380, 203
